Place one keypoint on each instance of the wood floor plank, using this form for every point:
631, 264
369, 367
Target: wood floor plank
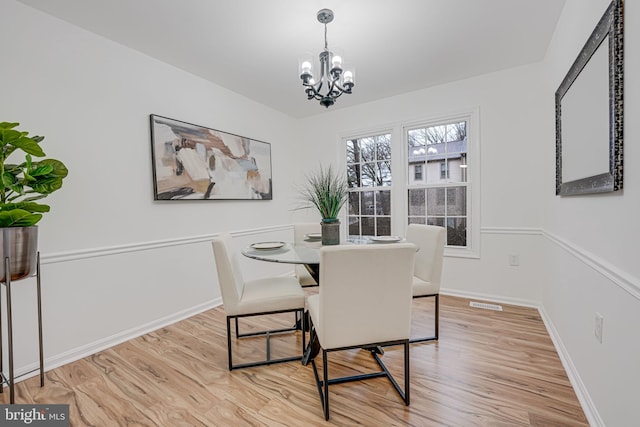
489, 368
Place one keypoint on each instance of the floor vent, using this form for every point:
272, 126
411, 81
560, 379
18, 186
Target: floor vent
486, 306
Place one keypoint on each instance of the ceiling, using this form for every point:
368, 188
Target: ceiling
253, 47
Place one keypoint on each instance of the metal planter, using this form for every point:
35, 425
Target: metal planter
20, 244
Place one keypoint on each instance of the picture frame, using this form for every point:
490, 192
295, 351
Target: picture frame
193, 162
589, 112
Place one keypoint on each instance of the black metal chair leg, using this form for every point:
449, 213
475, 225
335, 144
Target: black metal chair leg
436, 323
406, 374
325, 379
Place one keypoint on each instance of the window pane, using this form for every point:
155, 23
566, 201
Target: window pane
368, 203
436, 134
367, 149
456, 131
385, 173
435, 201
354, 203
383, 226
354, 226
368, 174
383, 202
368, 226
432, 220
416, 202
384, 147
457, 201
416, 220
457, 231
416, 138
436, 157
353, 152
353, 176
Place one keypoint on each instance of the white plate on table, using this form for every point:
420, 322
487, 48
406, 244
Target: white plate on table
313, 236
265, 246
386, 239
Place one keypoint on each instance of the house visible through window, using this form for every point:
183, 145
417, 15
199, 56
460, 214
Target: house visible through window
440, 199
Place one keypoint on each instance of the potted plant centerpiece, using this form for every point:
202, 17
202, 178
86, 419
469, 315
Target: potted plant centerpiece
22, 183
327, 192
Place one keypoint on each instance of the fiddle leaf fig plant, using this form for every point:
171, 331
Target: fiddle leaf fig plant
24, 183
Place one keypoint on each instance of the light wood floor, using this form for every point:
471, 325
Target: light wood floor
488, 369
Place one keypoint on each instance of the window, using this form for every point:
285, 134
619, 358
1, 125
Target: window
417, 173
436, 182
369, 180
444, 170
440, 199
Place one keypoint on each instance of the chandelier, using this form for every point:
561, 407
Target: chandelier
332, 79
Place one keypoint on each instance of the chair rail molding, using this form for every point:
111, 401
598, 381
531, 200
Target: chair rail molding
630, 284
512, 230
145, 246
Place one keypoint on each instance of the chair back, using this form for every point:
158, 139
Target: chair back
302, 228
365, 294
229, 273
430, 242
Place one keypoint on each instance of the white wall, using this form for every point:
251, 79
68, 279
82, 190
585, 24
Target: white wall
591, 248
115, 262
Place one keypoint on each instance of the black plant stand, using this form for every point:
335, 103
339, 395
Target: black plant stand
10, 379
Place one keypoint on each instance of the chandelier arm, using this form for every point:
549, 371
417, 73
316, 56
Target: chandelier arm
312, 92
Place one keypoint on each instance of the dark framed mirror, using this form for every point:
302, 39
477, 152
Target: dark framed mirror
589, 112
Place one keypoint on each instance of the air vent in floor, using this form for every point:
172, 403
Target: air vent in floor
486, 306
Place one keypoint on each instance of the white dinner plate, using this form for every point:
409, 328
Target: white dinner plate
264, 246
386, 239
313, 236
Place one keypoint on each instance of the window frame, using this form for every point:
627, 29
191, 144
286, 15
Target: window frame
471, 116
363, 189
400, 173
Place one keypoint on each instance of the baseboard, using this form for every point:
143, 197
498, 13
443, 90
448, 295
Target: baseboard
589, 408
108, 342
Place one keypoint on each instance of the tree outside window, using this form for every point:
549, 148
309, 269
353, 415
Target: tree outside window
369, 181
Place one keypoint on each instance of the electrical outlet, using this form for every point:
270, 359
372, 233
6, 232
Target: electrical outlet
514, 260
598, 327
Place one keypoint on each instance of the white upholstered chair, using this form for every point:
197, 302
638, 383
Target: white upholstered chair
299, 230
259, 297
428, 267
364, 301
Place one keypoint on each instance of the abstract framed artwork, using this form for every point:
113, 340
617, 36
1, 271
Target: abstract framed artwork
192, 162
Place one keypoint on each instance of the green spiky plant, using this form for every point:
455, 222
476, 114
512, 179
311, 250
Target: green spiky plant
327, 192
24, 183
